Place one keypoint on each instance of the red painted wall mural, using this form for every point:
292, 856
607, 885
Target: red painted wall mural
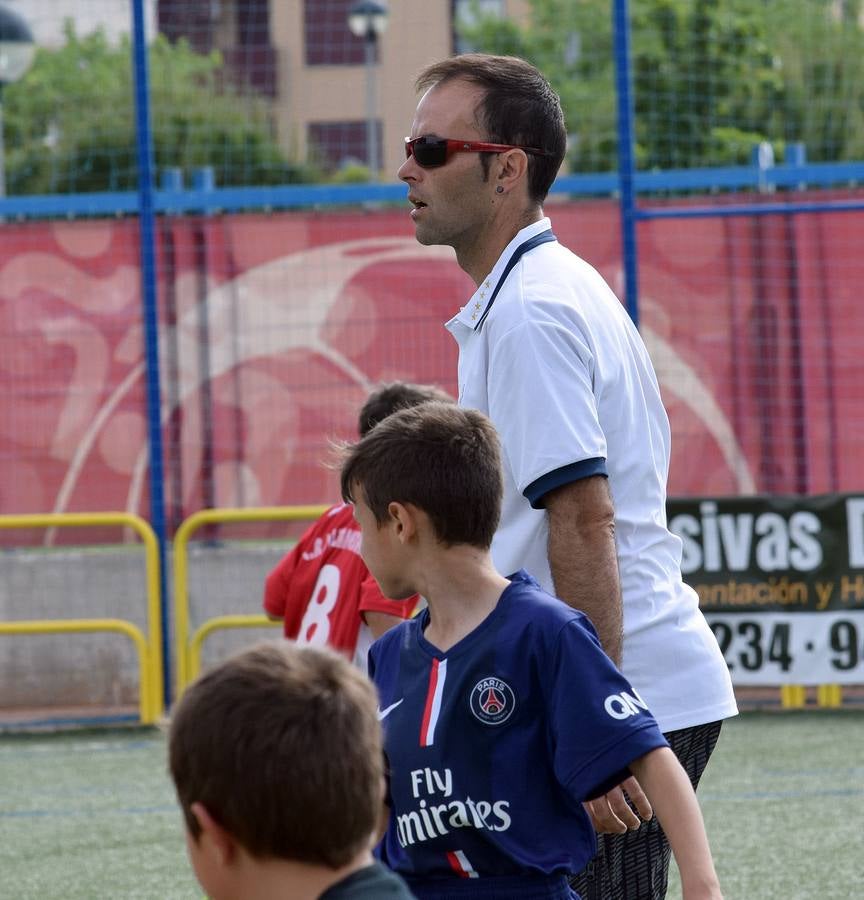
273, 328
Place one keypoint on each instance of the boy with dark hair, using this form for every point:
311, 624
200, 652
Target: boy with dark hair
276, 758
502, 714
321, 588
393, 396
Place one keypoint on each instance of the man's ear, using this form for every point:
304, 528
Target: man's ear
404, 518
213, 837
512, 168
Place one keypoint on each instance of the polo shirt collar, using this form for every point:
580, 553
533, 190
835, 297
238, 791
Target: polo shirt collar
473, 310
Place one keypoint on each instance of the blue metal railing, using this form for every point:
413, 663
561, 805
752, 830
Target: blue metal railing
292, 196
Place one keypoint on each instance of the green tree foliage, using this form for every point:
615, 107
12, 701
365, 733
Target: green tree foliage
823, 77
705, 81
70, 122
710, 77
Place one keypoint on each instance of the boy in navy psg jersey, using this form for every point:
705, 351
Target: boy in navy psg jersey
501, 713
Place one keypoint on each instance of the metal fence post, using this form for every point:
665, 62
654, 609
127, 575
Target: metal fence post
147, 232
626, 163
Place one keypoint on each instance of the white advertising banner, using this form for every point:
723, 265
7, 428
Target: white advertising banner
781, 582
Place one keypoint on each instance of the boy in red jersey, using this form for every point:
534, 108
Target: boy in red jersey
322, 589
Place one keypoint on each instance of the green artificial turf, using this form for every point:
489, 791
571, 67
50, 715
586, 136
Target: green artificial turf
92, 814
782, 799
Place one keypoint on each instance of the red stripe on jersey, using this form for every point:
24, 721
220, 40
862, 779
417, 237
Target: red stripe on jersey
460, 865
455, 864
430, 711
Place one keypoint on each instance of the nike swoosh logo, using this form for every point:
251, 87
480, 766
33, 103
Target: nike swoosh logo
383, 713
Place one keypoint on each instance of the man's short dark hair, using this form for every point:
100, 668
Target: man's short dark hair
281, 744
442, 459
393, 396
519, 107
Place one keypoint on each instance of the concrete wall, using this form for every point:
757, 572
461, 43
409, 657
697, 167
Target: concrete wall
57, 672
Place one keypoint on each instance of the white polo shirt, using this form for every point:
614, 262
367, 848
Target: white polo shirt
559, 367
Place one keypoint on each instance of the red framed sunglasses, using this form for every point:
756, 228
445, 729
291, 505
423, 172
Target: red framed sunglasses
430, 152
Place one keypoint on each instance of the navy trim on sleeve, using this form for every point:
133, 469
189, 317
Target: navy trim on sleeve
535, 491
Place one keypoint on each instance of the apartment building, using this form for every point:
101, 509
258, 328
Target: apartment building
303, 57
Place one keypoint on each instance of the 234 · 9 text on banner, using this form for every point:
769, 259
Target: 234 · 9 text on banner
781, 582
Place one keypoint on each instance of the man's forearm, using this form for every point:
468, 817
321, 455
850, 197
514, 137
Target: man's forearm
583, 557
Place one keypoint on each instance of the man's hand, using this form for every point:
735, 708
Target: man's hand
611, 814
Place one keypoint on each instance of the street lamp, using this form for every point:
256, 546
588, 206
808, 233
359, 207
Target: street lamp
367, 19
16, 54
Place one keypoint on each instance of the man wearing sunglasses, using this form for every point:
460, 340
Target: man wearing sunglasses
549, 353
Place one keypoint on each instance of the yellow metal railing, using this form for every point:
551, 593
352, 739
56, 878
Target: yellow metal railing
149, 649
794, 696
148, 697
189, 650
193, 660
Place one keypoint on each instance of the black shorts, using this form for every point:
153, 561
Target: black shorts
635, 865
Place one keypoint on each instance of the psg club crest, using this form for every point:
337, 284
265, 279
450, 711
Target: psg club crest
492, 701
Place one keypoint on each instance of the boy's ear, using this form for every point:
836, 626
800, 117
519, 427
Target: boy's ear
213, 836
405, 519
